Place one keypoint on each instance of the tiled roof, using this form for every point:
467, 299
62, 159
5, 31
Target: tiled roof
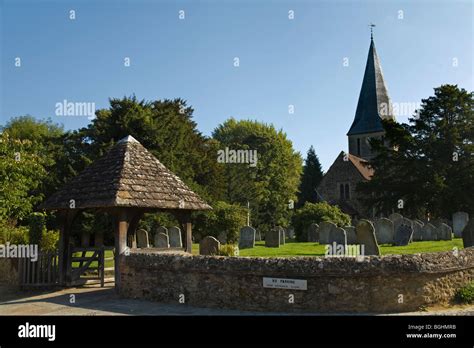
361, 165
374, 102
127, 176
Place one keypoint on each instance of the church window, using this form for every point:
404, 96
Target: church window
347, 194
341, 191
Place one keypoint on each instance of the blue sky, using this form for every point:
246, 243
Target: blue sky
282, 62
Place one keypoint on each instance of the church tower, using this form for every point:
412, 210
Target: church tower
373, 106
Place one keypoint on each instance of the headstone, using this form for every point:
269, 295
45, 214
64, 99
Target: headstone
384, 231
395, 216
290, 232
313, 233
324, 229
209, 246
142, 239
272, 238
404, 232
444, 232
417, 231
222, 237
337, 235
162, 240
428, 231
365, 232
282, 235
161, 229
460, 220
247, 237
174, 234
351, 235
468, 234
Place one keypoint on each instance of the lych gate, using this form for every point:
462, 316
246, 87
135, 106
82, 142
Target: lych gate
126, 183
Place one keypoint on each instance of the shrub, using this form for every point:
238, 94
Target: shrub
465, 294
13, 235
49, 241
224, 218
229, 250
317, 213
37, 226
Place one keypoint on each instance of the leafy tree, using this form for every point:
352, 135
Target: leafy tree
427, 165
22, 169
224, 217
310, 179
317, 213
272, 182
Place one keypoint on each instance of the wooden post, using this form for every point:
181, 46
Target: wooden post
67, 217
120, 243
189, 237
132, 229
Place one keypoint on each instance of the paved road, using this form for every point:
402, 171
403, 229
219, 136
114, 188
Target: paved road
93, 300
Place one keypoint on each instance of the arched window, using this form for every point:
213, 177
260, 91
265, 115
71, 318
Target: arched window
341, 191
347, 194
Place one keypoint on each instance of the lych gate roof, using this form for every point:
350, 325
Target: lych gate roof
374, 102
127, 176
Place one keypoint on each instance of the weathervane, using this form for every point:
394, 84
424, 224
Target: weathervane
371, 25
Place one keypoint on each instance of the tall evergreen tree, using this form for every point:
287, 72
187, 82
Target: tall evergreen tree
428, 165
310, 179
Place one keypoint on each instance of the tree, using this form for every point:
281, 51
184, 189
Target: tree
427, 166
269, 183
317, 213
310, 179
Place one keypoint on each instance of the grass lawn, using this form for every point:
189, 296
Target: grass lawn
292, 248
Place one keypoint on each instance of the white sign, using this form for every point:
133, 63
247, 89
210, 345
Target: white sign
282, 283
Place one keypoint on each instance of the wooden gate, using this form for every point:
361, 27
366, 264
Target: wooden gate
41, 273
81, 267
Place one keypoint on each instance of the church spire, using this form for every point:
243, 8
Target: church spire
374, 102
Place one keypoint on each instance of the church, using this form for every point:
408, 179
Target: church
338, 186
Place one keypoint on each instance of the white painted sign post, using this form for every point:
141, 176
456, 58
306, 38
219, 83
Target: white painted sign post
282, 283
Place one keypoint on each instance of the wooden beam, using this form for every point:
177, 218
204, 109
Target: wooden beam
121, 229
66, 218
189, 237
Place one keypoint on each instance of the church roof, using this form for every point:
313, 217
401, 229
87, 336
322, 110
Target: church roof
126, 176
374, 101
361, 165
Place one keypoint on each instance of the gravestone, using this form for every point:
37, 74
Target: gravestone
460, 220
209, 246
395, 216
365, 232
417, 231
324, 229
272, 238
384, 231
247, 237
290, 232
444, 232
161, 229
142, 239
162, 240
313, 233
427, 232
222, 237
351, 234
174, 234
282, 235
337, 235
404, 233
468, 234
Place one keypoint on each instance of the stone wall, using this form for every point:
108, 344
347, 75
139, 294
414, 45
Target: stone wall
8, 272
377, 284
